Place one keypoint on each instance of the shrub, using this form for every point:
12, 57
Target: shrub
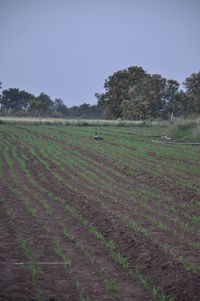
185, 131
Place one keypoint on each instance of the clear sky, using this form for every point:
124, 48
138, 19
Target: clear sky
67, 48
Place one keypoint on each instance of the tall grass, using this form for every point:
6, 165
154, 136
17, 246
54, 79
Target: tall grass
76, 122
81, 122
187, 130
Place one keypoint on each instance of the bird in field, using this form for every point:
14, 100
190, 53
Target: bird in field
97, 137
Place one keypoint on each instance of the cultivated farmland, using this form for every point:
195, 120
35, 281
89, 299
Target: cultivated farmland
114, 219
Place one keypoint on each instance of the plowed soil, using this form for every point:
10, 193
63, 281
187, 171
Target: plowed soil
116, 219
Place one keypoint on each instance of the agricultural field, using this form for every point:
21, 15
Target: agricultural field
114, 219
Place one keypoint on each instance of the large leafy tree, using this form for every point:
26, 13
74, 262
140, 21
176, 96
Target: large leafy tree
117, 89
154, 94
135, 94
146, 98
13, 100
172, 98
180, 104
192, 86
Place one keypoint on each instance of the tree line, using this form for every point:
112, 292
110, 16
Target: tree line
130, 94
15, 102
134, 94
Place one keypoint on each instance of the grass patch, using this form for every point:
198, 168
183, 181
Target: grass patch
185, 131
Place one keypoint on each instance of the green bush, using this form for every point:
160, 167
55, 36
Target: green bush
185, 131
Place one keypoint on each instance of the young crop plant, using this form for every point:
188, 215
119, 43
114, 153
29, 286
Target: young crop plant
78, 243
60, 253
187, 265
110, 245
112, 287
93, 230
33, 269
80, 290
196, 219
9, 163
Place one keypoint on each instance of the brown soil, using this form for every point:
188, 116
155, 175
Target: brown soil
15, 278
59, 282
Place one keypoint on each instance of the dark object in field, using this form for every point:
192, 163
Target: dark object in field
97, 137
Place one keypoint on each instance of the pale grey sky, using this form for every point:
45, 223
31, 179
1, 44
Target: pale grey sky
67, 48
